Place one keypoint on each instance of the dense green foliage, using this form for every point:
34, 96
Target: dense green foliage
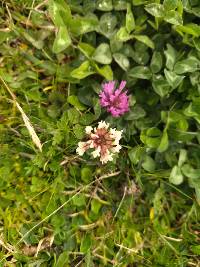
58, 209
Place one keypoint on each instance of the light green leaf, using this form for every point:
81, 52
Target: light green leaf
82, 71
95, 206
85, 243
156, 10
140, 72
105, 71
123, 35
190, 28
151, 137
60, 13
136, 154
170, 4
107, 24
104, 5
190, 172
102, 54
160, 86
176, 176
120, 4
86, 174
138, 2
190, 64
173, 17
80, 25
86, 49
130, 21
62, 40
173, 79
148, 164
170, 55
164, 143
145, 40
74, 101
122, 60
63, 259
182, 157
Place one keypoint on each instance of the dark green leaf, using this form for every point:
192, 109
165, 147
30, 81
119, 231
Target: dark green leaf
156, 62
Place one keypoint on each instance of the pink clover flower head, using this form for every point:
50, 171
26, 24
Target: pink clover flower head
103, 141
114, 100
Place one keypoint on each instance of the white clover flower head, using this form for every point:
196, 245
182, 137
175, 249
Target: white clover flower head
103, 141
88, 129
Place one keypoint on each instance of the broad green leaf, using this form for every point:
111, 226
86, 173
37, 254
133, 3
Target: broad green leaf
79, 131
139, 2
95, 206
156, 10
79, 200
193, 110
151, 137
173, 79
123, 35
196, 42
195, 249
182, 157
176, 176
164, 143
136, 154
173, 17
38, 43
81, 25
86, 49
60, 13
170, 4
190, 172
130, 21
190, 64
85, 243
86, 174
102, 54
120, 4
107, 24
161, 86
104, 5
74, 101
156, 62
190, 28
140, 72
148, 164
63, 259
170, 55
122, 60
105, 71
82, 71
145, 40
136, 112
62, 40
87, 119
73, 115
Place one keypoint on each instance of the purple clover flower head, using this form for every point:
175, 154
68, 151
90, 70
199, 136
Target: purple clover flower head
114, 100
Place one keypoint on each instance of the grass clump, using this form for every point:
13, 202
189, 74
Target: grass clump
58, 208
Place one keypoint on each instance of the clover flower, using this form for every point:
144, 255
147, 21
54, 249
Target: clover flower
103, 141
114, 100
